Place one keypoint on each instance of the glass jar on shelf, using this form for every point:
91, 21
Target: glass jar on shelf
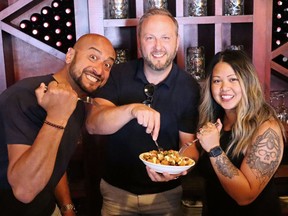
122, 55
197, 7
278, 100
118, 9
148, 4
195, 62
233, 7
235, 47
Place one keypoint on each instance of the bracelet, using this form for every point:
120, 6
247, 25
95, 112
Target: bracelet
54, 125
68, 207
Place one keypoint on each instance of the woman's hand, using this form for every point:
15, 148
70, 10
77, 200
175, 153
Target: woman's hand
209, 135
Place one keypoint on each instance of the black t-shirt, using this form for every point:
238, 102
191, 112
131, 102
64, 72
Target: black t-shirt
21, 118
176, 98
218, 202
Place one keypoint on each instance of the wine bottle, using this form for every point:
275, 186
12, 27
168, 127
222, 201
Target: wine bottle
69, 11
66, 6
57, 17
279, 32
56, 5
280, 12
49, 25
50, 38
285, 61
60, 45
47, 15
58, 32
61, 16
47, 12
25, 26
69, 24
69, 39
37, 33
279, 5
53, 40
36, 19
285, 18
47, 38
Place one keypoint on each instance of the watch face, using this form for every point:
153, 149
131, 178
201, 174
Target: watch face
216, 151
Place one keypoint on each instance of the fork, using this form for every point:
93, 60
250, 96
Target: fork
158, 146
186, 145
195, 140
86, 99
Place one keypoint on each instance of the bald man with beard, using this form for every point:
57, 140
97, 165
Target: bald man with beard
41, 120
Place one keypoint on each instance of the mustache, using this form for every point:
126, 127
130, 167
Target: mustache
91, 72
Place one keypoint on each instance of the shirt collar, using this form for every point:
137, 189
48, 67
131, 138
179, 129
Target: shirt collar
168, 81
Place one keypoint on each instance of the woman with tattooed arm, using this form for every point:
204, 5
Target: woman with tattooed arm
242, 138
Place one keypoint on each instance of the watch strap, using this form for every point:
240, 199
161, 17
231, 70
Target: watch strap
67, 207
215, 152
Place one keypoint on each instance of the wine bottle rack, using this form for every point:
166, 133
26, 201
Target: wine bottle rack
54, 25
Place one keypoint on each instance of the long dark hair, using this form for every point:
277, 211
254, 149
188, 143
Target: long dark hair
252, 110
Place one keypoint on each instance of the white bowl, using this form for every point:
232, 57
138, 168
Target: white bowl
166, 168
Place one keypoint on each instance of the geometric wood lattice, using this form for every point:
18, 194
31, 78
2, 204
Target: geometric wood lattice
9, 23
53, 25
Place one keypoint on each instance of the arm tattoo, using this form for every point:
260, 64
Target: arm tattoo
225, 167
264, 156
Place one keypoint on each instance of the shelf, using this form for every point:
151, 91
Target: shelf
120, 22
215, 19
184, 20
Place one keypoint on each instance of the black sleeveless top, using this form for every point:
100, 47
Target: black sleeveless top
217, 202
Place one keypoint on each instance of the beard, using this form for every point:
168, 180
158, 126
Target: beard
158, 66
78, 80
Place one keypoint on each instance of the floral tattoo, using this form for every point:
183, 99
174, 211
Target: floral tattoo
264, 156
225, 167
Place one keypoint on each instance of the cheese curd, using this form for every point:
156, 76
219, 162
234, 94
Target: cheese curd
170, 158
